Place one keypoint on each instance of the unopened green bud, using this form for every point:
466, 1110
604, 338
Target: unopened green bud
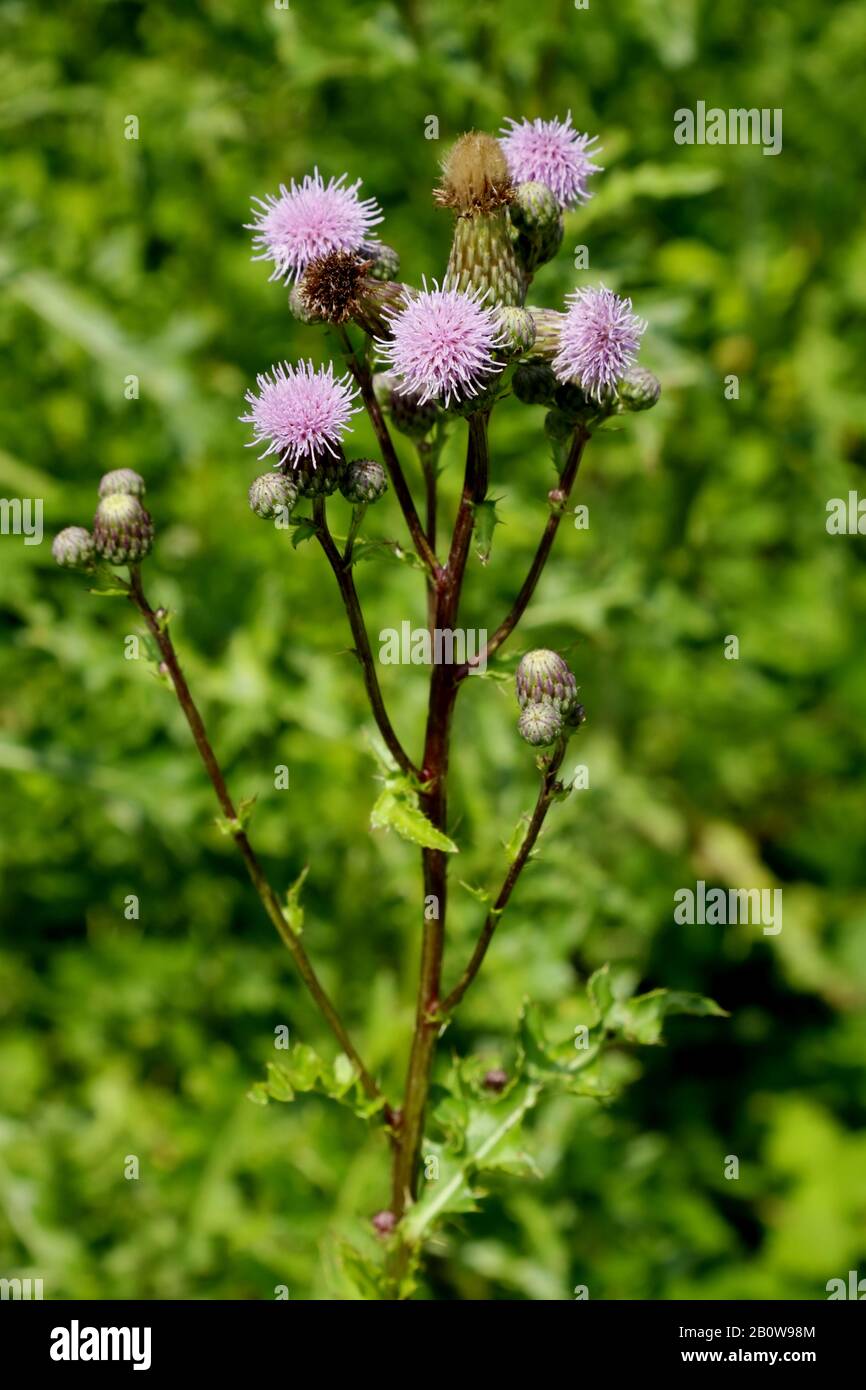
516, 331
363, 480
540, 723
534, 382
385, 261
572, 401
122, 529
317, 479
482, 400
409, 416
638, 390
122, 480
537, 219
544, 675
73, 548
271, 494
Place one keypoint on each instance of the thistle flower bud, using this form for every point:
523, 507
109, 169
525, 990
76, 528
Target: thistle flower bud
484, 400
495, 1080
544, 675
409, 416
339, 287
363, 480
122, 529
384, 261
384, 1222
73, 548
638, 389
477, 186
572, 401
319, 478
271, 493
121, 480
548, 328
537, 221
298, 307
534, 382
516, 331
540, 724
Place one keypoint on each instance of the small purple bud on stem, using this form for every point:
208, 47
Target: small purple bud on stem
384, 1223
122, 529
364, 481
496, 1080
122, 480
73, 548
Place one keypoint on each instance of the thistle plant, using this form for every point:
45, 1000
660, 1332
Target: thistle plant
429, 362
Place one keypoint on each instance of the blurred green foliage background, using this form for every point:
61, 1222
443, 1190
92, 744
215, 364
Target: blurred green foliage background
707, 518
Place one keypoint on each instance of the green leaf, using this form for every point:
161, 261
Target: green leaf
302, 1071
303, 529
512, 845
562, 1065
642, 1019
366, 549
113, 592
486, 521
293, 911
481, 895
366, 1277
491, 1143
397, 808
234, 825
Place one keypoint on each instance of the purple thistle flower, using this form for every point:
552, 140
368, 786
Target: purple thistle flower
552, 153
442, 345
310, 220
598, 340
300, 412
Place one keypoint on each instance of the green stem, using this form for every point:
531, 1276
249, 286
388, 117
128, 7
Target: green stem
546, 796
352, 604
548, 536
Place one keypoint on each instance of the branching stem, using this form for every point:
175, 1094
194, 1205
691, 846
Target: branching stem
269, 899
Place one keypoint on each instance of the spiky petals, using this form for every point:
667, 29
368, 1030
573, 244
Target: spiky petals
442, 345
309, 220
300, 413
598, 340
552, 153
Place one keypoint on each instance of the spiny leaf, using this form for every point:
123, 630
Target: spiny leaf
302, 1070
482, 895
294, 913
397, 808
486, 521
491, 1143
303, 529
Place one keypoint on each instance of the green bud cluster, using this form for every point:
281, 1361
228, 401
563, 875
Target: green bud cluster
271, 494
122, 528
537, 225
363, 481
547, 695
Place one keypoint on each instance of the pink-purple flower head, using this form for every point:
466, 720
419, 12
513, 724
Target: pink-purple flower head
300, 413
309, 220
442, 345
552, 153
598, 340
